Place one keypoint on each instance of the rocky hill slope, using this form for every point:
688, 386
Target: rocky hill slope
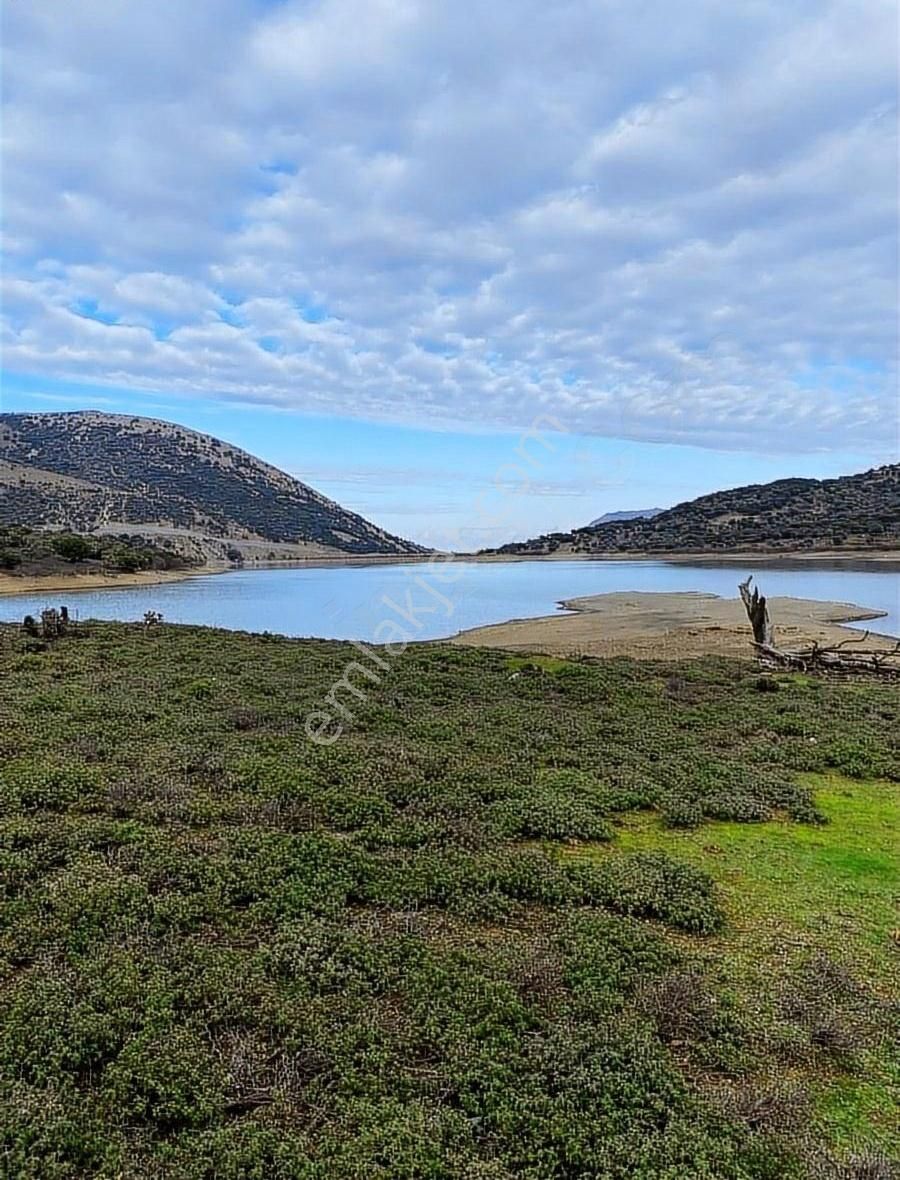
112, 473
850, 512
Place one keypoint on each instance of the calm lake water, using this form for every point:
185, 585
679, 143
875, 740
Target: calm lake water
340, 602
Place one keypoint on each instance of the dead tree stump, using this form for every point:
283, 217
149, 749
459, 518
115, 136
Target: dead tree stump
757, 613
844, 657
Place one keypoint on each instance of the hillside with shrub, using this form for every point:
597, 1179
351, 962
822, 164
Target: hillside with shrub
851, 512
527, 920
88, 472
28, 552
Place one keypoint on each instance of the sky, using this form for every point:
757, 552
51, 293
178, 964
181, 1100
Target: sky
377, 241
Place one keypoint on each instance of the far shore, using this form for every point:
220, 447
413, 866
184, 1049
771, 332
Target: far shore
888, 557
75, 582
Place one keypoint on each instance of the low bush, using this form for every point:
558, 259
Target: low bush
682, 813
542, 813
857, 759
607, 957
650, 885
168, 1078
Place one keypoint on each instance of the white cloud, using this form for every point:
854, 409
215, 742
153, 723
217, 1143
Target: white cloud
655, 228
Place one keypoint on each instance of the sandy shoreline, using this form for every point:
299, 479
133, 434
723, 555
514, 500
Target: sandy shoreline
73, 583
76, 583
653, 625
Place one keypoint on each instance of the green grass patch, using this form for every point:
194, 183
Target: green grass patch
853, 1110
793, 890
836, 882
552, 664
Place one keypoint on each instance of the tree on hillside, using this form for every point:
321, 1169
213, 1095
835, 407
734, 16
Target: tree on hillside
71, 547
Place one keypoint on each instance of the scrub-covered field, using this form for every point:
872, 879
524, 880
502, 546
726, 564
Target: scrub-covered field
524, 918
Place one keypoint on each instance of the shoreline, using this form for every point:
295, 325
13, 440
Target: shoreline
826, 612
886, 557
12, 584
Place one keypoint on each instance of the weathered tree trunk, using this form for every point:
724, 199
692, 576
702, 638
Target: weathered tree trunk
846, 656
757, 613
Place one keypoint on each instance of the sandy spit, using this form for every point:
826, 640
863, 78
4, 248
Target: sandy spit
650, 625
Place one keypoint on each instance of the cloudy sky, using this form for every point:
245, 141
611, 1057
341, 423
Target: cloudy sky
374, 240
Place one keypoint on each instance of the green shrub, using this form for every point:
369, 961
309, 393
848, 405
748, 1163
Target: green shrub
609, 956
858, 759
168, 1078
125, 560
31, 785
53, 1134
348, 811
650, 885
543, 814
682, 813
201, 689
72, 547
236, 1151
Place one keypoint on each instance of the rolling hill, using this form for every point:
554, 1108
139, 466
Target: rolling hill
92, 472
853, 512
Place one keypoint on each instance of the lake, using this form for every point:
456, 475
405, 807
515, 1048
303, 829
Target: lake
349, 602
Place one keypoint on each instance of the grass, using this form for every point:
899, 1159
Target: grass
552, 664
834, 884
531, 918
790, 890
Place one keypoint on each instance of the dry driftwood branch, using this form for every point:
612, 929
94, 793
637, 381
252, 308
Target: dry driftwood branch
844, 642
845, 656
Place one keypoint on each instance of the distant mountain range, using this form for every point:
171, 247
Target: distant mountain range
636, 514
851, 512
92, 472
